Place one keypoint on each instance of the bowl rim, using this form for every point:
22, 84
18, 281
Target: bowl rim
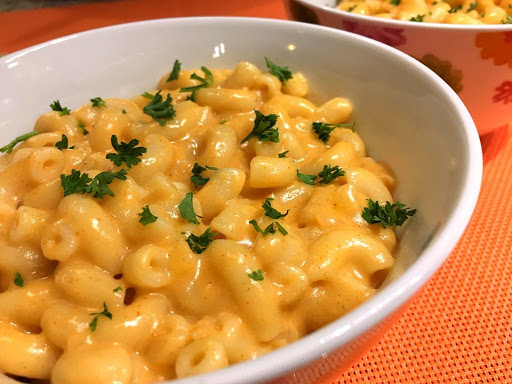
394, 23
390, 298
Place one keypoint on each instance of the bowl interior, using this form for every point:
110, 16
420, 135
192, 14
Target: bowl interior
406, 116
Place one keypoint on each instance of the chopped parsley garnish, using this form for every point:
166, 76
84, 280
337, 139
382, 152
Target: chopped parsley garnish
63, 143
55, 106
160, 111
206, 81
18, 280
98, 102
80, 124
187, 209
9, 147
223, 121
388, 214
256, 275
264, 128
176, 68
124, 111
329, 173
435, 3
395, 2
196, 177
418, 18
117, 289
507, 21
146, 217
281, 229
127, 153
97, 187
148, 95
198, 244
350, 9
323, 130
282, 154
272, 212
472, 6
270, 228
282, 73
94, 322
307, 179
457, 8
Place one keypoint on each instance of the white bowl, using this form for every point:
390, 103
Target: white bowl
476, 60
407, 116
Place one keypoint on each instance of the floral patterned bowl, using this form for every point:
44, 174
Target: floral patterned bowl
476, 61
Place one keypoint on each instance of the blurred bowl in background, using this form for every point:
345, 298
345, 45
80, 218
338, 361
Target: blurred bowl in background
475, 60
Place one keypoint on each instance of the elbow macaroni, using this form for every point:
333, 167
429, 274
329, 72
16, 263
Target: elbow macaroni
169, 312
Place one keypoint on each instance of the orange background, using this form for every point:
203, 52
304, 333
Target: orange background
459, 328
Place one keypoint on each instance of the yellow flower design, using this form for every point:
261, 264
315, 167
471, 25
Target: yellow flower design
445, 70
496, 46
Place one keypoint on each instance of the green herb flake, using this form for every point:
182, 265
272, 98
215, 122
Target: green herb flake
282, 73
18, 280
307, 179
256, 275
328, 174
55, 106
127, 153
124, 111
222, 122
186, 208
323, 130
98, 102
117, 289
388, 214
395, 2
206, 81
418, 18
198, 244
196, 177
98, 187
507, 21
9, 147
281, 229
472, 6
457, 8
94, 323
160, 111
148, 95
74, 183
272, 212
63, 143
146, 217
80, 124
282, 154
350, 9
264, 128
176, 68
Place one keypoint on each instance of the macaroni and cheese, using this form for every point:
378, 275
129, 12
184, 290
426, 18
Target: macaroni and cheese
202, 224
434, 11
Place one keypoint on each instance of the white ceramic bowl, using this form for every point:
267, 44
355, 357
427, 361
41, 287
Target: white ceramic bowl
476, 60
405, 113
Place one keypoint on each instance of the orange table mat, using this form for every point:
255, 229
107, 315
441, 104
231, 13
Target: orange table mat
459, 328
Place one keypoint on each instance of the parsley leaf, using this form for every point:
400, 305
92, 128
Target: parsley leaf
9, 147
98, 102
256, 275
148, 95
281, 229
74, 183
350, 9
272, 212
198, 244
192, 96
206, 81
196, 178
117, 289
127, 153
55, 106
270, 228
80, 124
472, 6
160, 111
93, 324
18, 280
282, 73
98, 187
418, 18
323, 130
63, 143
508, 20
453, 10
124, 111
264, 128
395, 2
187, 209
307, 179
389, 214
282, 154
223, 121
328, 173
176, 68
146, 217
